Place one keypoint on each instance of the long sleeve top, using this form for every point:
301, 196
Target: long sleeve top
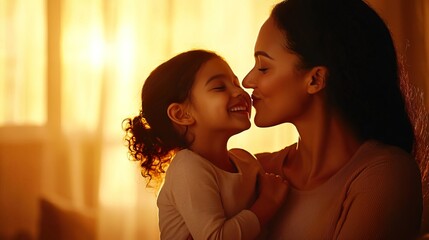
376, 195
201, 201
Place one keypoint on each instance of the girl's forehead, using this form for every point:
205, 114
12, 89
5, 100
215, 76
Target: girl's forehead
213, 68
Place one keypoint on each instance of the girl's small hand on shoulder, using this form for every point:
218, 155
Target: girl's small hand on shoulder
273, 187
272, 192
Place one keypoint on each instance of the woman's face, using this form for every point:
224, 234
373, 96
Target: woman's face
279, 86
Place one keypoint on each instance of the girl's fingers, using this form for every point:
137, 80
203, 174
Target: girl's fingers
276, 176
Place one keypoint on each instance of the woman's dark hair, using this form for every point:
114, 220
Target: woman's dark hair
351, 40
151, 137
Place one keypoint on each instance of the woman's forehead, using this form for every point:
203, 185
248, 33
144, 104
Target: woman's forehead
270, 37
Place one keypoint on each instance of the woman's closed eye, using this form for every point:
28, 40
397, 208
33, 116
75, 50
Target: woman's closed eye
263, 70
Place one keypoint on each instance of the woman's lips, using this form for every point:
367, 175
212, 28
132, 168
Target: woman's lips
255, 99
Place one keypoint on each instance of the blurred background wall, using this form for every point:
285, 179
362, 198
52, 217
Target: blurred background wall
72, 70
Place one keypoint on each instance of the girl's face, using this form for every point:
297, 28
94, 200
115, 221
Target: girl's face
218, 103
279, 86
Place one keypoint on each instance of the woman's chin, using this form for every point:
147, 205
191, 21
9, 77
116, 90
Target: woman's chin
263, 122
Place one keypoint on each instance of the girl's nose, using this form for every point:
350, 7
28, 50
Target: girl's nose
240, 92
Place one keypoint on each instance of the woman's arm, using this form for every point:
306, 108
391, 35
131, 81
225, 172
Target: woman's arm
384, 202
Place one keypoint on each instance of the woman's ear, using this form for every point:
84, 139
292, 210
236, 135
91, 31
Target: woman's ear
317, 80
178, 114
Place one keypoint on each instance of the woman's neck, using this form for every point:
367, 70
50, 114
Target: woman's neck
326, 144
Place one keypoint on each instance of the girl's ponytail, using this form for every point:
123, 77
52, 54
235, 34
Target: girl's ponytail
146, 148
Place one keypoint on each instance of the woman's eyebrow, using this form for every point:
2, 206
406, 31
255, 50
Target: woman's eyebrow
262, 53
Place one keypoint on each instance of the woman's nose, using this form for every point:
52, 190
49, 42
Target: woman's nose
249, 80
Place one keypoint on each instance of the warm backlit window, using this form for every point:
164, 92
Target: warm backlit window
23, 62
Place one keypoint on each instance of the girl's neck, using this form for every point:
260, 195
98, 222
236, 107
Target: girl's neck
216, 152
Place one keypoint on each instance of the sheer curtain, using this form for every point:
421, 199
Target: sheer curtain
72, 70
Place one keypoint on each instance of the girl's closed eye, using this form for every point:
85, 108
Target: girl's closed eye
219, 87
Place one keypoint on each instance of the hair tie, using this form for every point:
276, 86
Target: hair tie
144, 121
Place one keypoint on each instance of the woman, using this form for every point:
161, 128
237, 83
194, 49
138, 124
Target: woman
330, 68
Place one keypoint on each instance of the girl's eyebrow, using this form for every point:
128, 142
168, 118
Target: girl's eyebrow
262, 53
214, 77
218, 76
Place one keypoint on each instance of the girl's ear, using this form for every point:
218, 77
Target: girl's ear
178, 114
317, 80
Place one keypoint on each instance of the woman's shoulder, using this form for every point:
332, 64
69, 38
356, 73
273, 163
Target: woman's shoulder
245, 159
383, 161
376, 152
241, 153
271, 161
269, 156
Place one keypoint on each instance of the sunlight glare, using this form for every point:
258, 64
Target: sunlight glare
96, 51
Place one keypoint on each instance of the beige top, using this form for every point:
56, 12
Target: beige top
376, 195
201, 200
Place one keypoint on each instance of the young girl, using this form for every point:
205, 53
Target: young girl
191, 105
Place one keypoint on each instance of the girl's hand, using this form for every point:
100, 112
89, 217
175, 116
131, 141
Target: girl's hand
273, 189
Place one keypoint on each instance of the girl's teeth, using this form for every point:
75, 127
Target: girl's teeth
238, 109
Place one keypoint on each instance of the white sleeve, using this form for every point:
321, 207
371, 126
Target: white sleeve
195, 192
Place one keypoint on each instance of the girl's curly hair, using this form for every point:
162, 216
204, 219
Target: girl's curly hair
150, 136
